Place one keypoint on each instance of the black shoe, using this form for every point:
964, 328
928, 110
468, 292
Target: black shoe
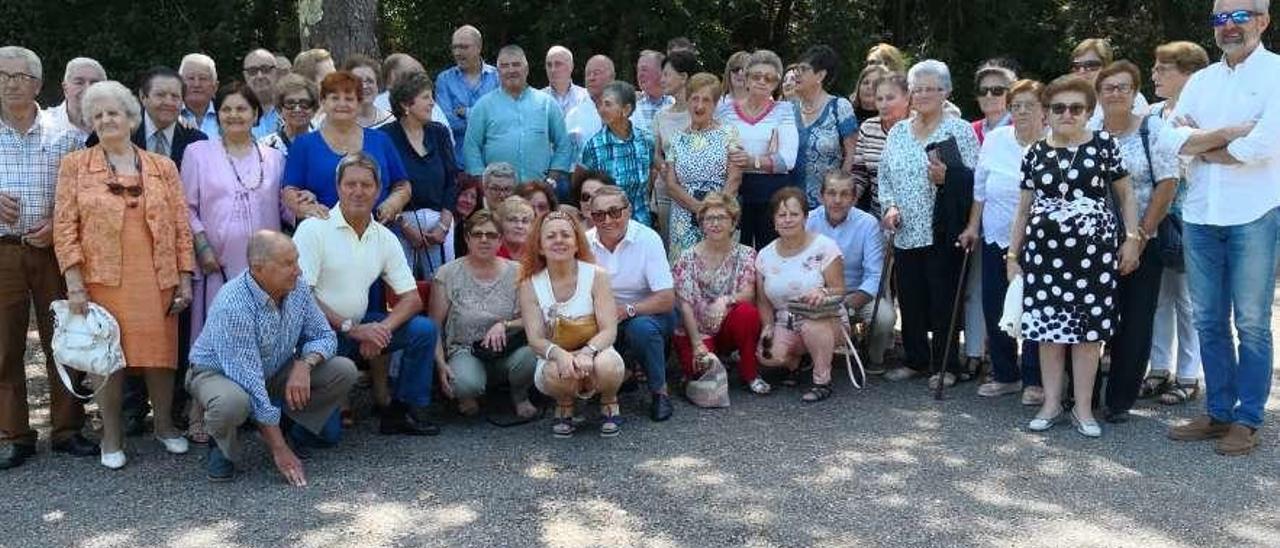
13, 455
660, 409
1116, 417
220, 469
77, 445
399, 419
135, 425
295, 438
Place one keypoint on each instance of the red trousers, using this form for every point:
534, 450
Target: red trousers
740, 331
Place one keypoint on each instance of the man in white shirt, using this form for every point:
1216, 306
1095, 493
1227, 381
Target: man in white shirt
583, 121
560, 84
81, 73
200, 75
1230, 113
642, 287
341, 257
862, 244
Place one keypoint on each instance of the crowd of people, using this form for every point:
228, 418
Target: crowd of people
261, 240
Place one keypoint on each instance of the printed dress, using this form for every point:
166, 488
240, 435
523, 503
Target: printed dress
1070, 260
701, 163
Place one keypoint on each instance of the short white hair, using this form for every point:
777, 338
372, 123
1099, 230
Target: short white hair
560, 50
930, 67
84, 62
29, 57
110, 91
192, 60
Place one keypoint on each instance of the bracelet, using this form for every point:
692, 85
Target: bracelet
1010, 256
546, 355
1133, 235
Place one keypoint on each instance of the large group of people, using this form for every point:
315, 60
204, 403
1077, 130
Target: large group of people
261, 240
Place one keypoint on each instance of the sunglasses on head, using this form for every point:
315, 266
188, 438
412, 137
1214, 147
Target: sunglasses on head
1086, 66
614, 213
1239, 17
1076, 109
994, 91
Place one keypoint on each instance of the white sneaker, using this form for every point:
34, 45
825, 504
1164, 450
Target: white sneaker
759, 386
114, 461
1039, 424
901, 374
177, 446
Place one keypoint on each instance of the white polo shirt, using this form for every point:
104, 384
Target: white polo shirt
638, 267
341, 267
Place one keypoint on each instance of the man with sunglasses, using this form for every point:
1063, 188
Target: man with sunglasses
643, 289
1230, 123
260, 73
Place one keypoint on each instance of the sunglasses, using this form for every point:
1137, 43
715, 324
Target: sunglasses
766, 77
1076, 109
118, 189
1086, 66
484, 235
994, 91
1239, 17
259, 70
614, 213
297, 105
585, 198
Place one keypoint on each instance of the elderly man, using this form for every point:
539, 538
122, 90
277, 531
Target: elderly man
31, 145
583, 121
862, 244
460, 87
518, 125
623, 150
201, 78
560, 84
261, 76
342, 257
643, 289
649, 82
1231, 116
498, 182
81, 73
266, 341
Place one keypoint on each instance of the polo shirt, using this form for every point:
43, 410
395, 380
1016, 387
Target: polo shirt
340, 266
637, 267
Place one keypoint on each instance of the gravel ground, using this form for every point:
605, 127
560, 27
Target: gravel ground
886, 466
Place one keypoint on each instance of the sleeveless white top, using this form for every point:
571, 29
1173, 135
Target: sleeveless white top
579, 305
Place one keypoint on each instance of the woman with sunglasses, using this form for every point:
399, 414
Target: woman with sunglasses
123, 241
298, 98
992, 81
698, 162
735, 77
1087, 59
1067, 248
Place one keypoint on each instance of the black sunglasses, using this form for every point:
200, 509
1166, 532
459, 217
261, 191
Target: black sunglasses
484, 235
614, 213
1076, 108
1091, 65
994, 91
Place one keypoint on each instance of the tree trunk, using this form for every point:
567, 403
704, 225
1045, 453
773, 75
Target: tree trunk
343, 27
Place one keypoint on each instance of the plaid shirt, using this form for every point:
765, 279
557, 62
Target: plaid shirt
647, 108
248, 339
627, 161
29, 168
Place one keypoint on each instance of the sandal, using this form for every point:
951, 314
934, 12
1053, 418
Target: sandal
562, 424
612, 424
816, 393
1156, 383
1178, 393
759, 387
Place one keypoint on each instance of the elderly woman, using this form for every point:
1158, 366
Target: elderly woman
928, 266
571, 322
313, 160
1153, 173
798, 266
298, 99
426, 151
827, 125
1065, 237
768, 145
540, 195
863, 97
514, 217
893, 104
584, 187
123, 242
1088, 58
698, 162
992, 82
715, 288
367, 70
1175, 63
474, 303
997, 187
622, 150
735, 77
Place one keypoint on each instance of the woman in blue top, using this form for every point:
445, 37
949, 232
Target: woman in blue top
827, 125
427, 153
313, 160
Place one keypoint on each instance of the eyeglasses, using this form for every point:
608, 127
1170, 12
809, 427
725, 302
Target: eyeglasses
994, 91
1108, 89
766, 77
259, 70
484, 235
1027, 106
926, 89
614, 213
302, 104
736, 70
501, 189
1086, 66
20, 77
1239, 17
1076, 109
874, 62
709, 219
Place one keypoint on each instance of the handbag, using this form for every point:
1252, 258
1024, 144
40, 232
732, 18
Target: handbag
88, 343
711, 388
1169, 232
831, 309
573, 333
424, 286
1011, 315
516, 339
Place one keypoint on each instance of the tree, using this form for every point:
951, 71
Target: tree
343, 27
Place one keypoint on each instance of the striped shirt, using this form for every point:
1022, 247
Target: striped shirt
248, 339
866, 165
29, 168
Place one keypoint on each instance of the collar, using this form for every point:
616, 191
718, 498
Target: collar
659, 100
340, 221
149, 129
37, 125
613, 138
1258, 52
593, 237
208, 111
523, 92
826, 219
259, 294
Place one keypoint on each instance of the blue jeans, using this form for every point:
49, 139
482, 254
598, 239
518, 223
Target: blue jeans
1003, 348
1231, 272
417, 339
645, 338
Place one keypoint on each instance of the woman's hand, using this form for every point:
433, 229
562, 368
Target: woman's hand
815, 297
937, 171
968, 238
496, 338
1130, 250
564, 362
182, 295
892, 219
739, 157
583, 365
78, 300
209, 261
1012, 269
387, 211
444, 376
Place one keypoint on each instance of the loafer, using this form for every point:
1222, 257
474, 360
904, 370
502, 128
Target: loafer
1200, 428
77, 445
1116, 417
1088, 428
1041, 424
114, 460
1239, 440
218, 467
1032, 395
176, 446
996, 389
661, 409
398, 419
12, 455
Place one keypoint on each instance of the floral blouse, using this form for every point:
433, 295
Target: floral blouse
700, 285
904, 176
787, 278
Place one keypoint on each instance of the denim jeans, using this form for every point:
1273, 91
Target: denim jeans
644, 338
1231, 272
417, 339
1003, 348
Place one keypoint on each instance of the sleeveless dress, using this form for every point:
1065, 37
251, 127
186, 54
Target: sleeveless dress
579, 306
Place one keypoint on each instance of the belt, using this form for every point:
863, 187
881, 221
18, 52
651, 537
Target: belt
12, 239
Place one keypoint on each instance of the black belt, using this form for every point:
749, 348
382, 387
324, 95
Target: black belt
11, 239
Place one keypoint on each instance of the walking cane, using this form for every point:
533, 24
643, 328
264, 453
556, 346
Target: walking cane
885, 275
951, 330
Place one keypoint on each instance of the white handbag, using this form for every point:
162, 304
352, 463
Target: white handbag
88, 343
1011, 319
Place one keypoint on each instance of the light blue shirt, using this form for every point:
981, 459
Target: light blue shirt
208, 123
861, 243
526, 131
453, 91
267, 125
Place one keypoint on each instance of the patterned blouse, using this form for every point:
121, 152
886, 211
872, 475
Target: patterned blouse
822, 144
700, 285
904, 176
474, 306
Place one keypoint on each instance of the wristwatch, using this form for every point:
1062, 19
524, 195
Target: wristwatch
631, 310
593, 349
346, 325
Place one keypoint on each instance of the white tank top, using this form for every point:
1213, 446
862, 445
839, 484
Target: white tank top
579, 305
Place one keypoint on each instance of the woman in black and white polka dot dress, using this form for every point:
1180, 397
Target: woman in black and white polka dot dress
1073, 252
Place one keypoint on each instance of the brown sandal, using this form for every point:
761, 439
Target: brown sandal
1178, 393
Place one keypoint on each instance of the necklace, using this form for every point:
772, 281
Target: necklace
809, 110
239, 181
125, 192
1071, 163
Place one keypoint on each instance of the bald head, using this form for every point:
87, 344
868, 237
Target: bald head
266, 245
466, 46
559, 67
599, 71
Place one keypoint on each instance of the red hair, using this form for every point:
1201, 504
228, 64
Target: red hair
339, 82
533, 262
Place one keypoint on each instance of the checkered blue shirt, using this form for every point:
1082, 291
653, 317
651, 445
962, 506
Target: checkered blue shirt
627, 162
29, 168
248, 339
